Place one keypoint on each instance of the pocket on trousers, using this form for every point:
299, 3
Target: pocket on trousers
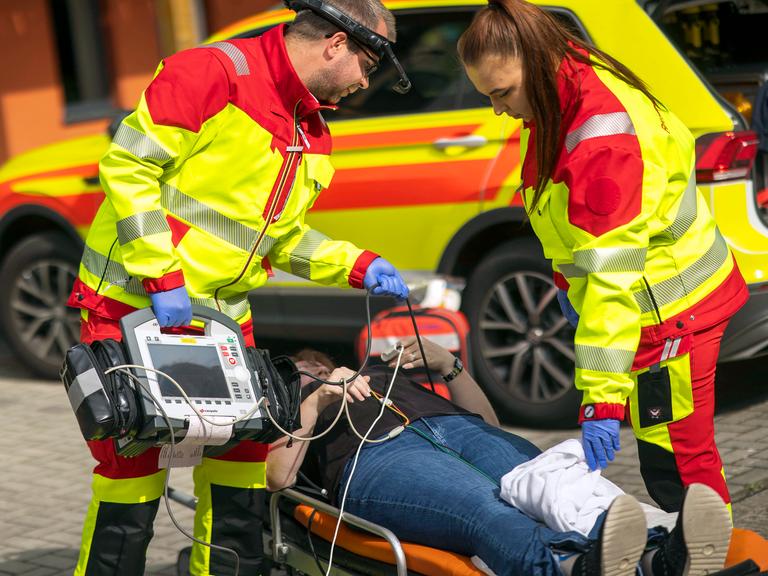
654, 397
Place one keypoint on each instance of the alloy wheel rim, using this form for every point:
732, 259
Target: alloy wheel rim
526, 343
42, 320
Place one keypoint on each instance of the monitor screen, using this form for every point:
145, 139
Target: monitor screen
196, 368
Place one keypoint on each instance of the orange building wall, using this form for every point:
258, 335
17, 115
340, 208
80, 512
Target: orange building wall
31, 97
220, 13
32, 104
133, 47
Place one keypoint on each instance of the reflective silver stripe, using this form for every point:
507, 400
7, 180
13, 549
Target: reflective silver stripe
571, 271
665, 352
141, 225
301, 256
112, 272
234, 307
610, 259
670, 348
600, 125
140, 145
235, 54
675, 347
686, 213
213, 222
604, 359
84, 385
688, 280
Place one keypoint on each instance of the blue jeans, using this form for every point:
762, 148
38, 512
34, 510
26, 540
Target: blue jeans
429, 497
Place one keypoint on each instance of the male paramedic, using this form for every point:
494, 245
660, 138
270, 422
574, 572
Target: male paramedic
207, 185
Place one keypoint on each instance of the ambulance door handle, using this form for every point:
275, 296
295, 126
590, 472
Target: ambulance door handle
471, 141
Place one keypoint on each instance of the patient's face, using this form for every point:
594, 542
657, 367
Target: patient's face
317, 369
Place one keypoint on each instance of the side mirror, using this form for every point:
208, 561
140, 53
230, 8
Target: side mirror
116, 121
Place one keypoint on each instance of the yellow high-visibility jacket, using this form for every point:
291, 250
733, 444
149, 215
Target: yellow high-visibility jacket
628, 234
208, 182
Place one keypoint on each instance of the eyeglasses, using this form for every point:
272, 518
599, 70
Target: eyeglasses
373, 63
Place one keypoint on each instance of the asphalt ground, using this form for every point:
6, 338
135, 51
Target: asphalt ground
45, 470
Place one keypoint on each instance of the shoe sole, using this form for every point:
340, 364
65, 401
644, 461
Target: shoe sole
706, 530
623, 537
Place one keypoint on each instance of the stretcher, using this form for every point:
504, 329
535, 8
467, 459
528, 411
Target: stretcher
364, 548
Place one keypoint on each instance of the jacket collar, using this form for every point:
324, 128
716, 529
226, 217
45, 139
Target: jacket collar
289, 86
568, 79
570, 76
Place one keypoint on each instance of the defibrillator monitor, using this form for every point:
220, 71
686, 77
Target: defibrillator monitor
211, 368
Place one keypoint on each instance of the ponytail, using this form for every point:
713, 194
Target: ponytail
519, 29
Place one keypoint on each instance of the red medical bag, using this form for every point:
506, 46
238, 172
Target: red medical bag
448, 328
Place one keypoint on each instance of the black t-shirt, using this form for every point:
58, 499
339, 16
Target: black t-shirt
326, 457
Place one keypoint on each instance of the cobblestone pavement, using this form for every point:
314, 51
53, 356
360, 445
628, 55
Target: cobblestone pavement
45, 476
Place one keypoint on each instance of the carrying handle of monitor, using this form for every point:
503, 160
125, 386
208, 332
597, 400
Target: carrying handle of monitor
209, 320
380, 45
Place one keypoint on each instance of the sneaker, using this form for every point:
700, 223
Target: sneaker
698, 544
622, 541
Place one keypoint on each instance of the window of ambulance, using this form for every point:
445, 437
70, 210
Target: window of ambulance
413, 168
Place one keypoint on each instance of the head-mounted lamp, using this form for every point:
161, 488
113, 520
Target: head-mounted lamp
377, 43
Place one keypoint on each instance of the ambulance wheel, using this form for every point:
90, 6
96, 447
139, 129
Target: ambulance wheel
522, 346
38, 274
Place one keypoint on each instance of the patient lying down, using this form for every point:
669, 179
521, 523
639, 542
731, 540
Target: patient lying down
435, 475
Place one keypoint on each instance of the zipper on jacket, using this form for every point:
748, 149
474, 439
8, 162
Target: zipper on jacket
653, 300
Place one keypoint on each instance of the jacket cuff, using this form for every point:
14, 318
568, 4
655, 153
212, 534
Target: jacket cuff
359, 269
560, 281
170, 281
601, 412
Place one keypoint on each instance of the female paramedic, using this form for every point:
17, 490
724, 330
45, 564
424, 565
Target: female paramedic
435, 478
645, 276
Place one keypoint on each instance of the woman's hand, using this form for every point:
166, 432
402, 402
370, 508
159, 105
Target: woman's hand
439, 359
357, 389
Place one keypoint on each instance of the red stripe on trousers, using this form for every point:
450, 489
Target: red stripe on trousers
110, 464
693, 437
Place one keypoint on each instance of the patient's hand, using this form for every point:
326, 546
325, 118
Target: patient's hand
357, 389
439, 359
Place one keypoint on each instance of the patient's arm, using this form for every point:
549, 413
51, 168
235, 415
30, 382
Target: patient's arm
464, 390
283, 462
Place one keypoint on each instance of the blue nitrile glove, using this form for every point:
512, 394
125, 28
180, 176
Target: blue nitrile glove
600, 439
384, 279
172, 307
567, 308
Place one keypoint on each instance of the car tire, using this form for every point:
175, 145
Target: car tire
522, 346
38, 274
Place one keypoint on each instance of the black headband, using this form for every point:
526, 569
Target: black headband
359, 33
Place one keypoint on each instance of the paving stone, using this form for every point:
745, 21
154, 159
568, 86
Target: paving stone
47, 571
752, 476
15, 567
55, 561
